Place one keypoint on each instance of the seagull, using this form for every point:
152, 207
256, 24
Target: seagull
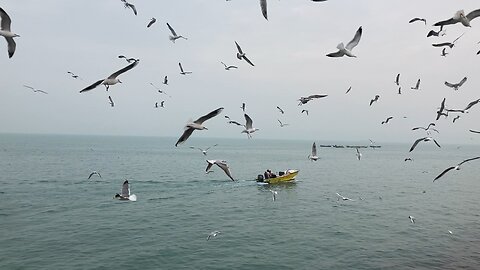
129, 60
280, 110
213, 234
165, 80
388, 119
348, 90
94, 173
408, 159
397, 79
374, 99
359, 155
111, 101
220, 163
156, 104
448, 44
444, 52
228, 67
174, 35
305, 111
125, 194
204, 152
112, 79
457, 167
73, 75
343, 197
440, 32
455, 118
243, 106
455, 86
197, 124
427, 128
460, 17
347, 50
274, 194
440, 110
471, 104
474, 131
281, 124
304, 100
418, 19
425, 139
35, 90
399, 90
6, 33
162, 104
235, 122
241, 55
412, 219
263, 6
152, 21
313, 156
248, 126
131, 6
181, 70
417, 86
159, 90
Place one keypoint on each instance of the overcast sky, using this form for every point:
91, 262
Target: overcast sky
288, 51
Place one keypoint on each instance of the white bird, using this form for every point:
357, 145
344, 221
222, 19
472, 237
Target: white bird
112, 79
450, 232
460, 17
204, 151
282, 124
455, 86
343, 197
249, 129
222, 164
152, 21
213, 234
130, 6
174, 35
457, 167
305, 100
425, 139
181, 70
417, 86
125, 193
6, 32
228, 67
274, 194
35, 90
313, 156
412, 219
241, 55
347, 50
94, 173
197, 125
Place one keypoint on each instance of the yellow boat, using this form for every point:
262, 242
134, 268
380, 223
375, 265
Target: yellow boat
287, 176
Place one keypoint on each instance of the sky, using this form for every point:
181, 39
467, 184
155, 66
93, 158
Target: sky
289, 52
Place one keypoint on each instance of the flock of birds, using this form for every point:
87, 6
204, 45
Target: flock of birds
342, 50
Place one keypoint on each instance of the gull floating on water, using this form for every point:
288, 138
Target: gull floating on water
412, 219
94, 173
343, 197
455, 86
460, 17
197, 125
274, 194
130, 6
152, 21
347, 50
125, 194
204, 151
35, 90
457, 167
249, 129
241, 55
305, 100
425, 139
213, 234
222, 164
5, 31
112, 79
228, 67
313, 156
174, 35
181, 70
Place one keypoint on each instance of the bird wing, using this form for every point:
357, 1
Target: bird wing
449, 84
249, 122
471, 104
418, 84
209, 164
133, 8
125, 189
442, 105
348, 90
462, 81
280, 109
470, 16
224, 64
417, 19
336, 54
436, 143
474, 131
415, 144
263, 6
125, 69
238, 48
458, 38
181, 68
152, 21
29, 87
280, 122
442, 44
185, 136
90, 176
446, 22
225, 168
6, 21
88, 88
11, 46
208, 116
235, 122
467, 160
248, 61
317, 96
314, 149
171, 30
165, 79
41, 91
397, 79
355, 40
444, 172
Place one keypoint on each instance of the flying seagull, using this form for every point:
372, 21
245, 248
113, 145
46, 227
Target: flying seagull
235, 122
427, 128
305, 111
434, 33
440, 110
397, 79
263, 6
399, 90
474, 131
243, 106
152, 21
228, 67
417, 85
220, 163
174, 35
131, 6
282, 124
386, 121
213, 234
313, 156
111, 101
455, 118
375, 99
304, 100
359, 155
35, 90
156, 104
112, 79
125, 194
455, 86
274, 194
181, 70
425, 139
418, 19
249, 129
165, 80
347, 50
73, 75
460, 17
197, 124
457, 167
162, 104
412, 219
6, 33
94, 173
129, 60
204, 151
444, 52
343, 197
471, 104
280, 110
159, 90
241, 55
348, 90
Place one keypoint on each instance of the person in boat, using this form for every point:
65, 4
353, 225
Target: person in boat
270, 174
266, 174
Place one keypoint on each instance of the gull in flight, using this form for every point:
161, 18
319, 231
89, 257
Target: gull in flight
455, 86
375, 99
197, 125
305, 100
73, 75
434, 33
241, 55
347, 50
348, 90
305, 111
399, 90
471, 104
249, 129
204, 151
359, 155
129, 60
418, 19
111, 101
417, 85
425, 139
181, 70
220, 163
243, 107
111, 80
280, 110
448, 44
313, 156
213, 234
6, 32
444, 52
263, 6
388, 119
412, 219
397, 79
152, 21
159, 90
274, 194
35, 90
457, 167
165, 80
427, 128
228, 67
440, 110
125, 194
131, 6
282, 124
174, 35
460, 17
455, 118
235, 122
474, 131
94, 173
343, 197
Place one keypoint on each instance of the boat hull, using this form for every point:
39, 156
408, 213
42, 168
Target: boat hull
288, 177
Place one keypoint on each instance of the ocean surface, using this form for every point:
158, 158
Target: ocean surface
52, 217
